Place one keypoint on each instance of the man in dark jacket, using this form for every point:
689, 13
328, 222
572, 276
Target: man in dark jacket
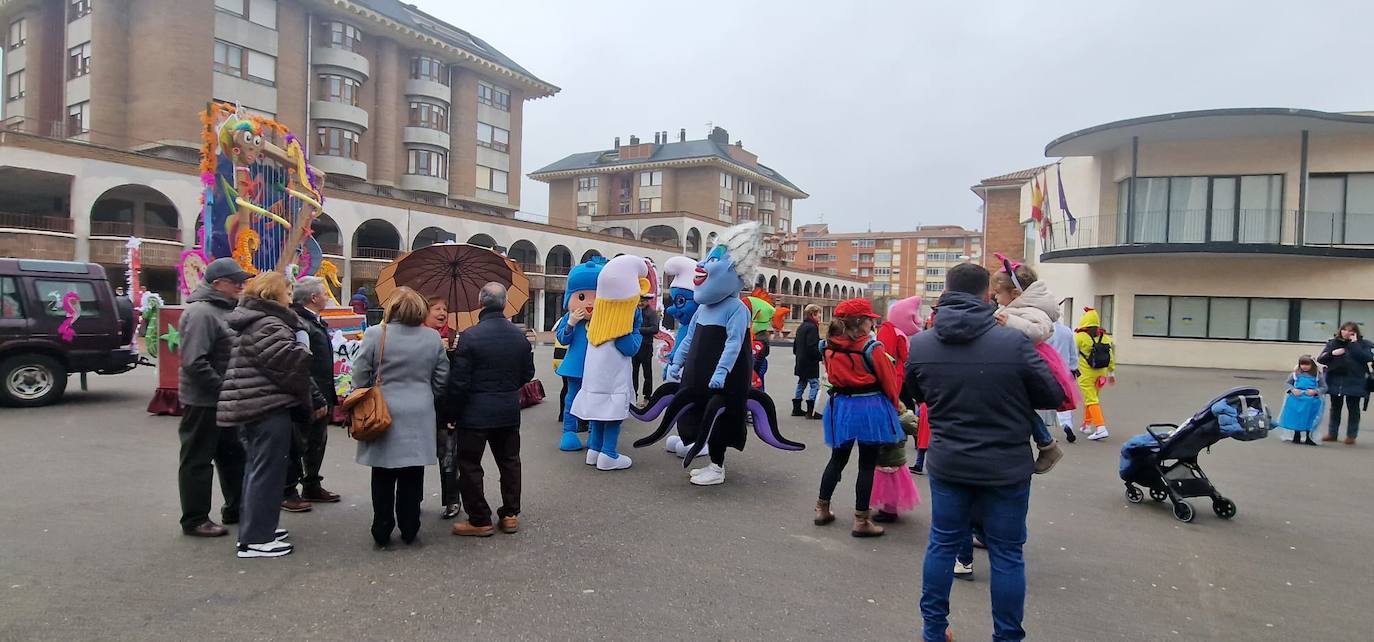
206, 341
807, 348
492, 361
307, 452
982, 383
644, 359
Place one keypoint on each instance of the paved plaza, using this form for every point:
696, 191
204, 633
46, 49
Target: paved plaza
92, 549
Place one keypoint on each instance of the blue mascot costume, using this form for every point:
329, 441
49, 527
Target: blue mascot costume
571, 331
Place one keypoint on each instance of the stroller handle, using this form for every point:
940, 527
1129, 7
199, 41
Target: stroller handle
1150, 429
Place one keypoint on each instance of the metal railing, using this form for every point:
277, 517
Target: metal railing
124, 228
46, 223
331, 248
386, 253
557, 270
1263, 226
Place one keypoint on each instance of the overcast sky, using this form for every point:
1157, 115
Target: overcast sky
886, 112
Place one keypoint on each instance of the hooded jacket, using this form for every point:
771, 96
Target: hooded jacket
268, 368
981, 383
205, 344
1089, 328
1033, 313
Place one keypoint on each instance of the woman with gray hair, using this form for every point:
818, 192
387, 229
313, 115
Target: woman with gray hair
308, 300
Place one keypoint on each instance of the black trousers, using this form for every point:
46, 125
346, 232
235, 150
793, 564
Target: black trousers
562, 399
446, 445
644, 360
396, 496
308, 441
204, 446
863, 485
1352, 404
505, 449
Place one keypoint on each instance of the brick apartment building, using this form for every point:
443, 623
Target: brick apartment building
1003, 230
893, 264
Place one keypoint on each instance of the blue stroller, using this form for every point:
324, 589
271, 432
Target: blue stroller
1165, 462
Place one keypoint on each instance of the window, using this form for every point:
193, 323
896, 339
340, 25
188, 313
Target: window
586, 209
339, 89
11, 304
337, 142
1340, 210
492, 179
1198, 209
262, 12
935, 287
1228, 319
746, 187
235, 7
1290, 320
624, 207
51, 293
343, 36
19, 33
588, 182
423, 162
644, 205
428, 115
865, 243
865, 272
1151, 316
262, 68
882, 271
766, 195
866, 258
1318, 320
1106, 311
79, 118
651, 205
426, 68
935, 271
493, 137
492, 95
228, 59
79, 9
1269, 319
725, 210
650, 179
744, 212
727, 181
14, 85
79, 60
1188, 316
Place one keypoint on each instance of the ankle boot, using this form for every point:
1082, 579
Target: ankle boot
796, 408
864, 526
823, 514
811, 410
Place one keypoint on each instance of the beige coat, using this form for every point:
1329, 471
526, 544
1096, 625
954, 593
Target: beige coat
1034, 312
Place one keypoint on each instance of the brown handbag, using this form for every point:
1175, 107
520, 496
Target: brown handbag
368, 416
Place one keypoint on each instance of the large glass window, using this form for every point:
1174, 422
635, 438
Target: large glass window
1361, 312
493, 180
19, 33
337, 142
1261, 208
1197, 209
426, 68
228, 59
1151, 316
14, 85
1187, 209
1188, 316
79, 60
1340, 210
339, 89
262, 68
1318, 320
1228, 318
497, 97
1269, 319
428, 115
493, 137
424, 162
52, 292
343, 36
1224, 196
1151, 210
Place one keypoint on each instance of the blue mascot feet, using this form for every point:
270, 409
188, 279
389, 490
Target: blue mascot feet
570, 442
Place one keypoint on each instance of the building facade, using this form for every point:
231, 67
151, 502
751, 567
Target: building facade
1231, 238
892, 264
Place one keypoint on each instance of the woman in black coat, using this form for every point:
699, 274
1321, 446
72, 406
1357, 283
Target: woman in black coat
1346, 357
807, 349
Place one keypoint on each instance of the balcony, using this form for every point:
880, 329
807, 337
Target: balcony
339, 166
426, 136
351, 64
376, 253
429, 89
339, 112
768, 205
125, 229
39, 222
423, 183
331, 249
744, 198
1247, 231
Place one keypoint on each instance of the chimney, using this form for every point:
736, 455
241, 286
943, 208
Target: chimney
617, 142
634, 140
682, 135
665, 137
720, 136
739, 144
655, 138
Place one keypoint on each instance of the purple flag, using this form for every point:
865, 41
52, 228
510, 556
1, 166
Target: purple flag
1063, 202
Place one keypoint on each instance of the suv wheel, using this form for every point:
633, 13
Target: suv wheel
32, 380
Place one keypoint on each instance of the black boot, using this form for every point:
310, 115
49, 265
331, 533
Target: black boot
811, 410
796, 408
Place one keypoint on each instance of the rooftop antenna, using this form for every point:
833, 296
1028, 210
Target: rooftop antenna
710, 127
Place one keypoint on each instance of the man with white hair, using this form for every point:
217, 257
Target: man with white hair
309, 299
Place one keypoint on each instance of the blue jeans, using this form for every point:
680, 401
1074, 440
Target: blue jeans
1041, 433
1002, 512
802, 384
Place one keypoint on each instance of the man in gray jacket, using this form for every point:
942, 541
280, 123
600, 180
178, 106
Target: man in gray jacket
205, 344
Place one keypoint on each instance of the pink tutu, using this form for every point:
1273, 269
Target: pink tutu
893, 490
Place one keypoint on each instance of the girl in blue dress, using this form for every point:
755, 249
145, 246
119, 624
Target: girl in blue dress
1303, 403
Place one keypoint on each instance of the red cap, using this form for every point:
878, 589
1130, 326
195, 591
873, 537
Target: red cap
855, 308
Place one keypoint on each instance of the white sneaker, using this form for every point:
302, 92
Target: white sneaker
279, 536
592, 456
697, 471
605, 462
1085, 429
963, 571
674, 444
270, 549
709, 476
682, 449
1099, 434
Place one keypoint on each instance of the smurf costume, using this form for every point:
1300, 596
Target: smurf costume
580, 296
613, 338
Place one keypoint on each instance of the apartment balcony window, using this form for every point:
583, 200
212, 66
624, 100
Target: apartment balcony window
337, 142
79, 9
260, 12
19, 34
493, 137
426, 68
497, 97
79, 118
624, 207
428, 115
727, 181
746, 187
338, 89
490, 179
650, 179
651, 205
14, 85
745, 212
1340, 210
342, 35
423, 162
586, 209
725, 209
228, 59
250, 65
588, 182
79, 60
766, 195
1201, 209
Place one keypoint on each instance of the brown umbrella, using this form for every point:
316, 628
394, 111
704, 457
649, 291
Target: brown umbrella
455, 272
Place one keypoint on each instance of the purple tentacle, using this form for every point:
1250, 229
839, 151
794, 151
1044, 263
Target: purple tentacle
661, 399
766, 424
714, 409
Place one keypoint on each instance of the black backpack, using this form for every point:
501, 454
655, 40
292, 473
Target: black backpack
1099, 354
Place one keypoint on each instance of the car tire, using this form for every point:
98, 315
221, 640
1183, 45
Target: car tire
32, 380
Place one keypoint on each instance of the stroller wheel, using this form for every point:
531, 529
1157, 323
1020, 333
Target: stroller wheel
1224, 508
1158, 495
1133, 495
1183, 511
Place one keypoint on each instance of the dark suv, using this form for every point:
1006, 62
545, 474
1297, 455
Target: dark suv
34, 358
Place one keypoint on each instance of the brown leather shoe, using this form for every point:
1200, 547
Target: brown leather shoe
1350, 441
295, 505
318, 494
823, 514
1328, 438
208, 529
510, 524
864, 526
466, 529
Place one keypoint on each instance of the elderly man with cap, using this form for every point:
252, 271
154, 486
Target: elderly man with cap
206, 340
